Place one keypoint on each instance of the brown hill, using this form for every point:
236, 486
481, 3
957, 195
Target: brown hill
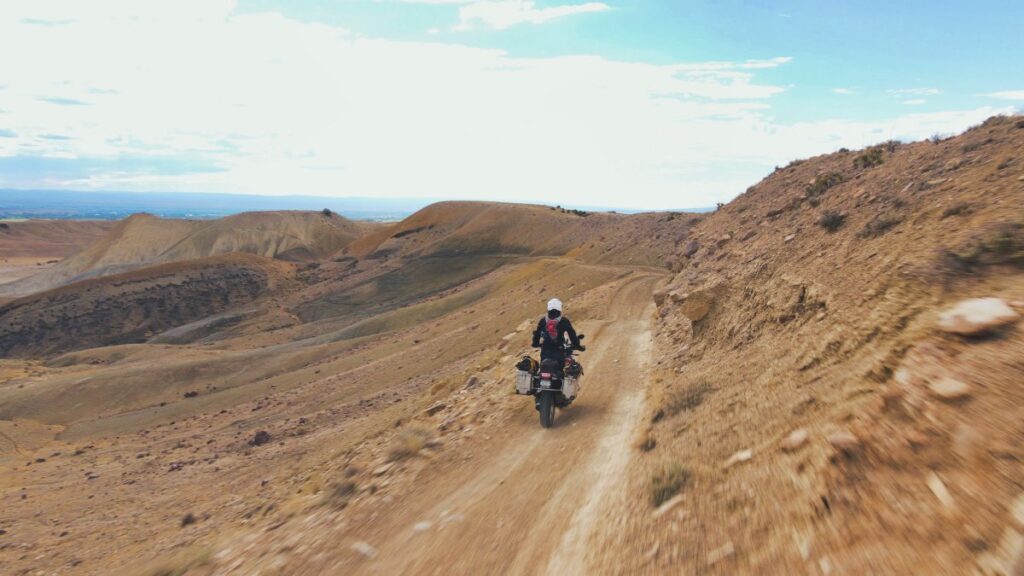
132, 306
468, 228
49, 238
142, 240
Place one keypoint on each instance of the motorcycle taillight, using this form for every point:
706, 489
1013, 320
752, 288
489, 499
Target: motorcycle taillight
545, 375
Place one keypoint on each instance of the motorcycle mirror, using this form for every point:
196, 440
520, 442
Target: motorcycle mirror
581, 336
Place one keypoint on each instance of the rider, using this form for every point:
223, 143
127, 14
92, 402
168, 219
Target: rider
551, 332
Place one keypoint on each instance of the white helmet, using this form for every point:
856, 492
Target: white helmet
555, 304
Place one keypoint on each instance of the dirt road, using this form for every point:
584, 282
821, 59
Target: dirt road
530, 500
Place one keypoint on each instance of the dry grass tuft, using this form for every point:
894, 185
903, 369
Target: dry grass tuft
338, 494
667, 482
869, 158
831, 220
687, 398
879, 225
409, 442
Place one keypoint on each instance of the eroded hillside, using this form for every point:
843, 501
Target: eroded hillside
805, 387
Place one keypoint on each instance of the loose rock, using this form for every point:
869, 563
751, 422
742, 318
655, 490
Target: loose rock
721, 553
667, 506
435, 408
977, 316
364, 549
950, 389
741, 456
796, 440
844, 442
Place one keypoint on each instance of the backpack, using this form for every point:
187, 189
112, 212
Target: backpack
550, 332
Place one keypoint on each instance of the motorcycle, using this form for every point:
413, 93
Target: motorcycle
551, 385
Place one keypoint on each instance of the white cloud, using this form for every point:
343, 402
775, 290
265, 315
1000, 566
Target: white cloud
289, 107
915, 102
501, 14
1006, 95
843, 91
914, 91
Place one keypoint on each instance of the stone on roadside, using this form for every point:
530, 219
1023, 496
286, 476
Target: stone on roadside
667, 506
721, 553
796, 440
738, 457
1017, 511
977, 316
949, 389
435, 408
364, 549
845, 442
939, 489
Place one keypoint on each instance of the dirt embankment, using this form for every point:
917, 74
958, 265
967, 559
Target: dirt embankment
133, 306
806, 397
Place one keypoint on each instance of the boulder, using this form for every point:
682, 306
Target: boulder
691, 248
696, 305
977, 316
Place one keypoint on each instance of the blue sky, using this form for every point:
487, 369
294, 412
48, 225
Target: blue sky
642, 104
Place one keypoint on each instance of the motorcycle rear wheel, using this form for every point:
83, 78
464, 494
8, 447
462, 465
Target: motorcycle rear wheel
547, 409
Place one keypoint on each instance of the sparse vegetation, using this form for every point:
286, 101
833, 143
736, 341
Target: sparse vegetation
667, 482
956, 210
823, 182
879, 225
409, 442
999, 244
831, 220
338, 494
327, 212
869, 158
687, 398
936, 138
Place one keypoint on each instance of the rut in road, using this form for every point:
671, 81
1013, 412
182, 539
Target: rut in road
535, 505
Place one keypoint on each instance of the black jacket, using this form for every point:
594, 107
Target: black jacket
552, 347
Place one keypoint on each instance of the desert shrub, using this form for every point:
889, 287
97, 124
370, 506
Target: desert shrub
956, 210
823, 182
338, 494
831, 220
327, 212
409, 442
686, 399
667, 482
869, 158
879, 225
936, 138
1002, 243
891, 145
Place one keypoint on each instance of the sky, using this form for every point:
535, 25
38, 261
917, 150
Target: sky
636, 104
